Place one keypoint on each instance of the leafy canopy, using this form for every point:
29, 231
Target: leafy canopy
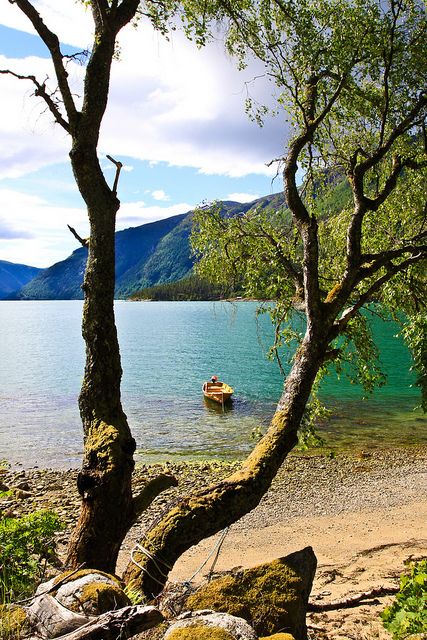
349, 80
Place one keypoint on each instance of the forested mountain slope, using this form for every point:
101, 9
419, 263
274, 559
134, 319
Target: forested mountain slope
148, 255
14, 276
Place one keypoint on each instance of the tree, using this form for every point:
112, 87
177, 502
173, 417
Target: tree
104, 482
351, 77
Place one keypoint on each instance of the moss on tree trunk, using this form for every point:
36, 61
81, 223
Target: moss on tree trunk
104, 481
208, 511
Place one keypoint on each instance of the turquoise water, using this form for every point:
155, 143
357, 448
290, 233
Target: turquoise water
168, 349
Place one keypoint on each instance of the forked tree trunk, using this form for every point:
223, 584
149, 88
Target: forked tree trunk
208, 511
104, 481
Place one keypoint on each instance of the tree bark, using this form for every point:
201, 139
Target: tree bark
104, 481
208, 511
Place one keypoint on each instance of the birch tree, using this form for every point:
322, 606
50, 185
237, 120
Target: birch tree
350, 79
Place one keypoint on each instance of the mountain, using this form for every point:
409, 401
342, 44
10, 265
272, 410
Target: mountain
14, 276
154, 253
63, 280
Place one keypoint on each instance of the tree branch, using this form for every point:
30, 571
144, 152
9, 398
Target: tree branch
367, 296
122, 623
119, 166
42, 93
286, 262
100, 14
408, 122
372, 262
152, 489
51, 40
398, 165
125, 12
352, 601
83, 241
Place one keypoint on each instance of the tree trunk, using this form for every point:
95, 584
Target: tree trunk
210, 510
104, 481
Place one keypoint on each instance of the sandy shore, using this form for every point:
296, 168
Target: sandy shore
364, 515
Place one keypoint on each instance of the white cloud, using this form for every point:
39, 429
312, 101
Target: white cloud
133, 214
159, 194
70, 19
34, 232
242, 197
169, 102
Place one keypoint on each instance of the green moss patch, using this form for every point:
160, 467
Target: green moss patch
70, 576
200, 632
278, 636
272, 597
102, 597
12, 622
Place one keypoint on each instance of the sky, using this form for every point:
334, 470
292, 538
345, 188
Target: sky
175, 119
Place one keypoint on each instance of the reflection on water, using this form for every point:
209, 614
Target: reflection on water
217, 407
168, 349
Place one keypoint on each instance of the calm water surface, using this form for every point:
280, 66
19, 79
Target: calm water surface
168, 349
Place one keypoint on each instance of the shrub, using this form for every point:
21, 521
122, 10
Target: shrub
26, 545
408, 613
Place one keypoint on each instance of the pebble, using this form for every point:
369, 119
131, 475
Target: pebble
306, 485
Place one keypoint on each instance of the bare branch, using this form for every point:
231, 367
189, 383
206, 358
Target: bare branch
119, 166
352, 601
51, 40
152, 489
125, 622
83, 241
41, 92
79, 56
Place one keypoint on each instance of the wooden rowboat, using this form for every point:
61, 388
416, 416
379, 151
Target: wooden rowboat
217, 391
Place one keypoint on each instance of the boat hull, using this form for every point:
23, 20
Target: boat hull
218, 392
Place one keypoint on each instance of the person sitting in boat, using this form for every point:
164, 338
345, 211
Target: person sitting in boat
214, 380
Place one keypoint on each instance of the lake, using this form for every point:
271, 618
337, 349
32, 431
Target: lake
168, 349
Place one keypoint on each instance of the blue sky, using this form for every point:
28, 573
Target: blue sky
175, 120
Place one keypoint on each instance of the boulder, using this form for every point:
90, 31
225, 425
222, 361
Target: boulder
209, 625
271, 597
72, 599
88, 592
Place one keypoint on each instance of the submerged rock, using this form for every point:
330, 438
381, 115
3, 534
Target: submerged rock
271, 597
